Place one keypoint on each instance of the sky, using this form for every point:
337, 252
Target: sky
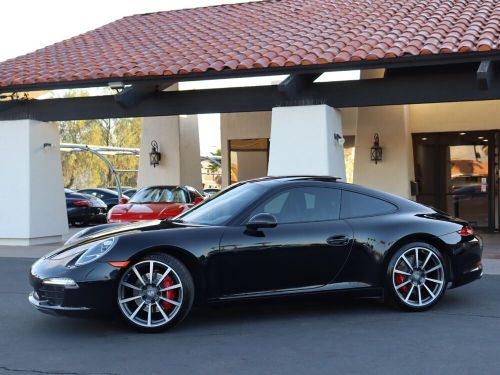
27, 25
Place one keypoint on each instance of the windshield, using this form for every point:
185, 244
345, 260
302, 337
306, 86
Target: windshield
159, 195
223, 207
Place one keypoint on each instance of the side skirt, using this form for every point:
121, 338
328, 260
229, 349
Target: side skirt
359, 290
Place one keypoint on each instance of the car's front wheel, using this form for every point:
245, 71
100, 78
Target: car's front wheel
416, 277
156, 293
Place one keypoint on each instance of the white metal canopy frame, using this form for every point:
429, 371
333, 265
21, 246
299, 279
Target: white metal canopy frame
100, 151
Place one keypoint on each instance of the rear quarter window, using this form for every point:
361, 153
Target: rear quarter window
361, 205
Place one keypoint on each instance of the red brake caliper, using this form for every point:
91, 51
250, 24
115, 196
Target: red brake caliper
169, 294
400, 279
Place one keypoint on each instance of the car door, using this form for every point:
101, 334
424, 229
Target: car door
307, 248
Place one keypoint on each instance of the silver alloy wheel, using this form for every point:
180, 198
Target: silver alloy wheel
142, 296
418, 277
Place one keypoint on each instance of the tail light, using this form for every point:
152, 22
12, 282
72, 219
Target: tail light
466, 231
123, 200
81, 203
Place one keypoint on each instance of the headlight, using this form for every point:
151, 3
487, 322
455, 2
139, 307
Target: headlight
95, 251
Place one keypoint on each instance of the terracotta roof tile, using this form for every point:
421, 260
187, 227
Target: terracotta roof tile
262, 34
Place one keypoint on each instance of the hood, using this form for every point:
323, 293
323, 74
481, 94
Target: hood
108, 230
104, 231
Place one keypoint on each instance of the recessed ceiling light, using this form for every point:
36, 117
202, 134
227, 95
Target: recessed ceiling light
480, 137
462, 133
485, 140
424, 139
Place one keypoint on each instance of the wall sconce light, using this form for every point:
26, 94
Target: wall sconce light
154, 155
376, 150
339, 139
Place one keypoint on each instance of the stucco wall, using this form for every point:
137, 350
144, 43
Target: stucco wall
394, 173
303, 142
245, 125
248, 125
33, 184
178, 141
250, 164
445, 117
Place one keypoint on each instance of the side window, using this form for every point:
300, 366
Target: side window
303, 204
359, 205
275, 205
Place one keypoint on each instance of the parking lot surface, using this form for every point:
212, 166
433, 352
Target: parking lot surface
321, 335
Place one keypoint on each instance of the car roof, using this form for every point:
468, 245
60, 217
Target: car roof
77, 195
102, 190
274, 181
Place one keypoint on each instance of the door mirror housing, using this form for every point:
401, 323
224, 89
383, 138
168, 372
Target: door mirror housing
262, 221
198, 200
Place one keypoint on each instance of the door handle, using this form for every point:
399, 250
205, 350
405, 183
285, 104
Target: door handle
340, 240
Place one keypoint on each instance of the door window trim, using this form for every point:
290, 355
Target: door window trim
242, 219
396, 207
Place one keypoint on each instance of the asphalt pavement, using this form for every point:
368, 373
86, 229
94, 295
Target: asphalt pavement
321, 335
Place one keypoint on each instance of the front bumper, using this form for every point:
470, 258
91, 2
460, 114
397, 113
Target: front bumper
46, 307
94, 295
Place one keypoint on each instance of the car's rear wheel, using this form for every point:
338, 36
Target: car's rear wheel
156, 293
416, 277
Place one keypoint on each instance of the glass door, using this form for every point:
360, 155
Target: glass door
467, 183
455, 173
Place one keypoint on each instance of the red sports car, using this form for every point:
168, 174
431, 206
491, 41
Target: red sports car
156, 202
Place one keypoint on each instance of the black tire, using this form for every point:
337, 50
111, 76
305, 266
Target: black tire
186, 293
416, 291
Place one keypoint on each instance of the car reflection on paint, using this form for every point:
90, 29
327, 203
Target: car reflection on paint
257, 239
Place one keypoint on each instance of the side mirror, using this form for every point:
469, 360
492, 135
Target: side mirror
198, 200
123, 200
262, 221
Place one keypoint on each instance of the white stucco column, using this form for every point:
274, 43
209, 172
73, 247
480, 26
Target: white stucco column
32, 188
394, 173
179, 144
303, 142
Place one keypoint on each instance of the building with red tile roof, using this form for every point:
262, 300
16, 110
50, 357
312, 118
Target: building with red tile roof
269, 35
429, 82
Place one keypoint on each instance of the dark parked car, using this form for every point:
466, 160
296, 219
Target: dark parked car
108, 196
84, 209
130, 192
261, 238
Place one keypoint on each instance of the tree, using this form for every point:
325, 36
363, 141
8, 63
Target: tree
82, 169
214, 167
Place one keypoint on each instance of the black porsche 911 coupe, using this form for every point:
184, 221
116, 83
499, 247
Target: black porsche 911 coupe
262, 238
